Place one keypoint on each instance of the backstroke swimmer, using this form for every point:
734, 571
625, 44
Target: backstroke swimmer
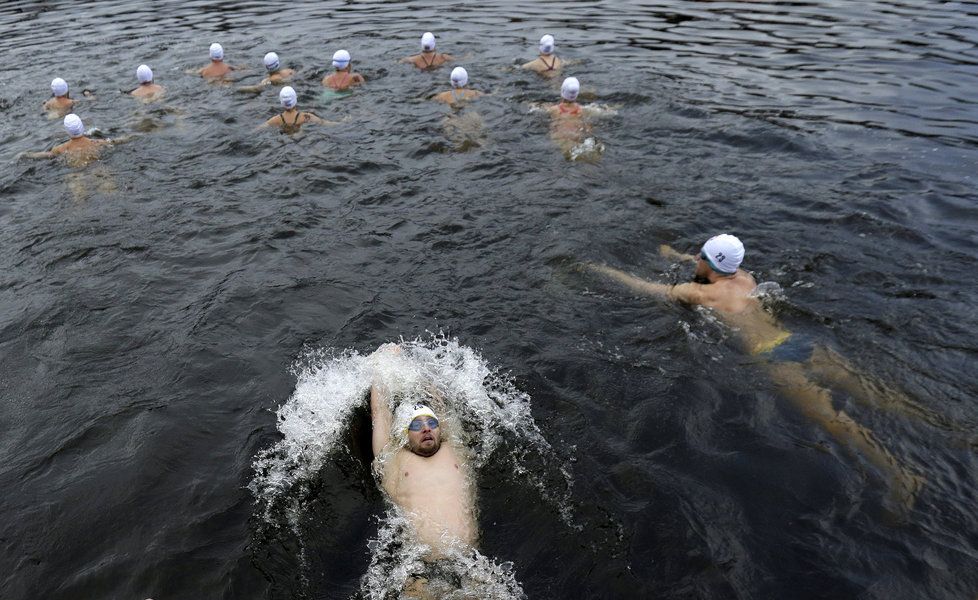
428, 59
217, 69
344, 78
80, 150
788, 358
292, 119
547, 64
459, 92
148, 89
427, 476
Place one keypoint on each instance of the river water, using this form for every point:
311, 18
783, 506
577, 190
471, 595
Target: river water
158, 307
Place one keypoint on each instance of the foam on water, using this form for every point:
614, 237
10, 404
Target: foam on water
489, 415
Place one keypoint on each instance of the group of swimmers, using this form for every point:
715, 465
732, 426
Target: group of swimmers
291, 119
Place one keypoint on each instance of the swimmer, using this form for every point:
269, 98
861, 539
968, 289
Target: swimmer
80, 149
291, 120
60, 103
344, 77
428, 477
276, 74
148, 90
568, 106
459, 93
217, 69
547, 64
428, 59
720, 284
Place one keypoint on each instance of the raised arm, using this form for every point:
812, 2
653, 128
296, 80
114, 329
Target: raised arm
380, 412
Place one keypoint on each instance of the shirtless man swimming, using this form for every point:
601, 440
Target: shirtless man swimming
428, 59
80, 149
424, 471
59, 104
547, 64
344, 78
789, 359
276, 74
291, 119
459, 93
147, 90
217, 69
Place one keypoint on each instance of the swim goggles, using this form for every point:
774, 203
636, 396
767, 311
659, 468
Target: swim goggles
419, 422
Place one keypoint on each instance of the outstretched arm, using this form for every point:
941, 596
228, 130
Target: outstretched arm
690, 293
380, 412
45, 154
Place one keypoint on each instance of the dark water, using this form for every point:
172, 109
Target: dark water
147, 333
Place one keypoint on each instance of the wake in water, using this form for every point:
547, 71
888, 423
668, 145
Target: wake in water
488, 415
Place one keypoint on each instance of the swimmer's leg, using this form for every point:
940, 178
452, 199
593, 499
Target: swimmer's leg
833, 369
816, 404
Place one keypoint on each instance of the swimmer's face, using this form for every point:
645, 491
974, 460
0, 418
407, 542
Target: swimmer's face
427, 440
702, 269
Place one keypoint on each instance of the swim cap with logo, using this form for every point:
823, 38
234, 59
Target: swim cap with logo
420, 410
287, 97
217, 51
570, 88
724, 253
547, 44
74, 126
428, 41
271, 61
460, 77
144, 74
59, 87
341, 59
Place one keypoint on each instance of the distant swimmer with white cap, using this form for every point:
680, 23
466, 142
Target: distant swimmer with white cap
790, 359
547, 64
60, 103
344, 78
276, 74
148, 89
80, 149
428, 59
423, 467
292, 119
459, 92
217, 69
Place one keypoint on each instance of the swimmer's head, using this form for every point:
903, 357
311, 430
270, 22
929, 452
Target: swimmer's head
144, 74
547, 44
722, 254
59, 87
570, 88
423, 431
74, 125
341, 59
271, 62
287, 97
217, 51
460, 77
428, 42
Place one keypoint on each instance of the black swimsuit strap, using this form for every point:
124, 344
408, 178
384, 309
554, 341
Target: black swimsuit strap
426, 63
551, 66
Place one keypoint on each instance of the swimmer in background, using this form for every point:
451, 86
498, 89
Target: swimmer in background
59, 104
292, 119
428, 59
344, 78
788, 358
148, 90
428, 475
547, 64
459, 93
217, 69
276, 74
80, 149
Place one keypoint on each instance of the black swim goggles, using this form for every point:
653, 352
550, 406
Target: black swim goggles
419, 422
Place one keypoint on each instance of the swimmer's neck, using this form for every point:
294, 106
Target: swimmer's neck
146, 83
289, 111
215, 61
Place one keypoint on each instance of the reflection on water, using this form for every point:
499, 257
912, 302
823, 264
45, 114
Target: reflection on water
146, 332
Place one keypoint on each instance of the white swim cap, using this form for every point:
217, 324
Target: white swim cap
420, 410
724, 253
428, 41
144, 74
217, 51
271, 61
460, 77
287, 97
59, 87
341, 59
74, 125
547, 44
570, 88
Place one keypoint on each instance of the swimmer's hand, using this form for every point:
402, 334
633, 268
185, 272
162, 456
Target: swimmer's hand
667, 251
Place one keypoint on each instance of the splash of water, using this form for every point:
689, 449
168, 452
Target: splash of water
492, 418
